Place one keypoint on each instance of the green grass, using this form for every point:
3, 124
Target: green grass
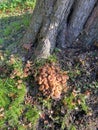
12, 105
32, 114
7, 31
15, 16
11, 5
26, 21
1, 41
15, 27
12, 97
72, 103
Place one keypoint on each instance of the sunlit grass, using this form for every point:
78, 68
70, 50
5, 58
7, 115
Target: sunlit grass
12, 5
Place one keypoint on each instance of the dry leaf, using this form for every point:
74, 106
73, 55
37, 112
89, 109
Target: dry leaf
27, 46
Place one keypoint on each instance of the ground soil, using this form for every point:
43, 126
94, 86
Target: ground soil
84, 59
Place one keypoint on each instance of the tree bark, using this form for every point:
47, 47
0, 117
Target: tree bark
90, 33
48, 34
60, 22
78, 18
36, 22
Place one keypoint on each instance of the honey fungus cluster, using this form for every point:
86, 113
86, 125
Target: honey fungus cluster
52, 81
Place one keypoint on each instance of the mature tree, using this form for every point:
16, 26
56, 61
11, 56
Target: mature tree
61, 22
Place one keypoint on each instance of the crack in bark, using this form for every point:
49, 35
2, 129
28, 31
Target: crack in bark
92, 13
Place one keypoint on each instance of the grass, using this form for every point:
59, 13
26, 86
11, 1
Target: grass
12, 5
11, 98
12, 94
7, 31
32, 115
16, 26
12, 28
1, 41
76, 102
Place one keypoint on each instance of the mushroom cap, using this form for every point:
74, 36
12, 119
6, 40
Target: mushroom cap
52, 81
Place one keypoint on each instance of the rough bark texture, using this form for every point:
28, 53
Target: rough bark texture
78, 18
36, 22
90, 33
62, 33
48, 36
61, 22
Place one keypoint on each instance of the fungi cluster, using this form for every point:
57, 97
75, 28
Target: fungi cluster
52, 81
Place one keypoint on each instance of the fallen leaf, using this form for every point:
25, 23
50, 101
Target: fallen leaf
27, 46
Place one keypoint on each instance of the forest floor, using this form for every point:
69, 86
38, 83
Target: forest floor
77, 109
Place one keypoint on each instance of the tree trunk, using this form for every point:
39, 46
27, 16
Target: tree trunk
60, 22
